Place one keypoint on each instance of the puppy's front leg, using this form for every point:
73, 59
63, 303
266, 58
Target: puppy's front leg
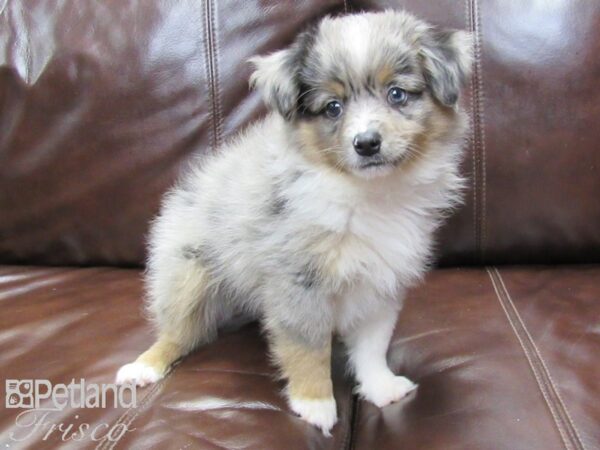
368, 344
307, 367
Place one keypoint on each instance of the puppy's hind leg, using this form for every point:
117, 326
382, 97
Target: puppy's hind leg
181, 307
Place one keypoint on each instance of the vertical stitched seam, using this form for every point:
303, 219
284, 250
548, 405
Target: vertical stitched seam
28, 58
216, 82
209, 76
473, 138
574, 431
481, 129
214, 116
537, 372
346, 6
476, 127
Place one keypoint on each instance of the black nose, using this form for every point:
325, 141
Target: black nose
367, 143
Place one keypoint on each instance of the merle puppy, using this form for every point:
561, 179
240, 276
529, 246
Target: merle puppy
317, 218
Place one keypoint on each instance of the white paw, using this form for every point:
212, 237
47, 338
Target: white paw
138, 374
386, 390
321, 413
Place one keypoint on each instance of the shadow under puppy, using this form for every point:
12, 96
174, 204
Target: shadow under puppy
318, 217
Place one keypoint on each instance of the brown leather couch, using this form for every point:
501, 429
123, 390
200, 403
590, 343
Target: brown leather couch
102, 103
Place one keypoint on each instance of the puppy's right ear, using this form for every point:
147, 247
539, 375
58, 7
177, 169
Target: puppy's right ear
275, 77
278, 75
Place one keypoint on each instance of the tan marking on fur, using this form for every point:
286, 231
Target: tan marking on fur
441, 122
308, 370
411, 82
180, 322
313, 145
439, 125
161, 355
384, 74
336, 88
180, 325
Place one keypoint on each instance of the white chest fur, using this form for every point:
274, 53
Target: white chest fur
385, 246
383, 236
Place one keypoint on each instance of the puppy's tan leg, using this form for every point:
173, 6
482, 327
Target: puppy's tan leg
179, 304
308, 372
153, 364
163, 353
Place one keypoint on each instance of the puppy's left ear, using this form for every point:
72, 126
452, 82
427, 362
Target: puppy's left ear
447, 58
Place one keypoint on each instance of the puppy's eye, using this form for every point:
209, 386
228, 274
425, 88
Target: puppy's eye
334, 109
397, 96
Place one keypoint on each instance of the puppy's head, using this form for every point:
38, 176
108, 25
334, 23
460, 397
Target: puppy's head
364, 93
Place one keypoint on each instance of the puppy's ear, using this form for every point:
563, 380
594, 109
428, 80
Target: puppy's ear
447, 59
277, 75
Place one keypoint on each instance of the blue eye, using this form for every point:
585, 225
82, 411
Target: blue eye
334, 109
397, 96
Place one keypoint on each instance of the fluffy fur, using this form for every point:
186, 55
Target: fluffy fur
288, 223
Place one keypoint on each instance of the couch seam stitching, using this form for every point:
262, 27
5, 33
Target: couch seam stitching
543, 387
481, 129
216, 55
473, 142
207, 59
477, 130
103, 443
575, 431
346, 6
151, 396
212, 74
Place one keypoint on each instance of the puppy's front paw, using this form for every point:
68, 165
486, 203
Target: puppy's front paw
139, 374
319, 412
387, 390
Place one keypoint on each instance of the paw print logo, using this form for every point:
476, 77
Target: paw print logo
19, 394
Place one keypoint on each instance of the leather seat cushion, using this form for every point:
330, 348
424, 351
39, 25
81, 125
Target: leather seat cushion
505, 356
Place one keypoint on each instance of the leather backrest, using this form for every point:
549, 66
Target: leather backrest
103, 103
